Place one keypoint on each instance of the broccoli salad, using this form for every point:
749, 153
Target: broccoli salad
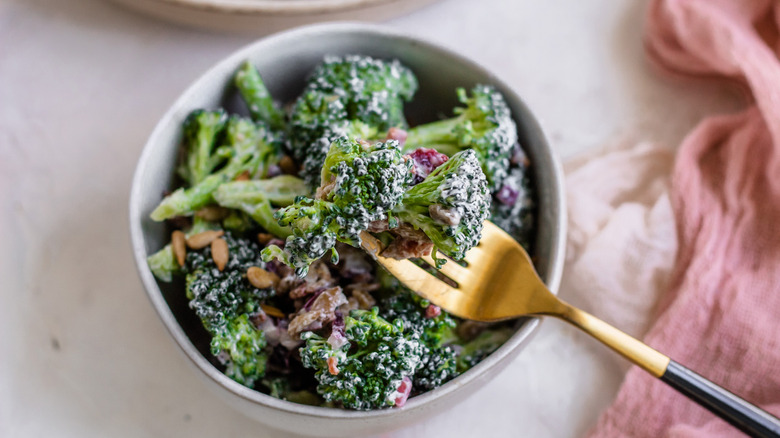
266, 223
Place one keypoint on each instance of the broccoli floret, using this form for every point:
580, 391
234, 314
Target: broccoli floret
360, 183
340, 93
478, 348
450, 205
315, 230
438, 363
241, 348
257, 198
163, 263
202, 129
367, 371
438, 366
224, 301
409, 308
220, 296
250, 148
256, 96
484, 124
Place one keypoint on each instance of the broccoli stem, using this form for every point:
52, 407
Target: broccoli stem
255, 198
185, 202
258, 99
246, 150
281, 190
435, 135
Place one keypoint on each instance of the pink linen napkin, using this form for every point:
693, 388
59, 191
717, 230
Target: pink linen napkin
721, 313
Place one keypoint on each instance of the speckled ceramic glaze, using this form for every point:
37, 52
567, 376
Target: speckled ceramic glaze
261, 17
284, 60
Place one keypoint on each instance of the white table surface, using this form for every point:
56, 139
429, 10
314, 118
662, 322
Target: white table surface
82, 83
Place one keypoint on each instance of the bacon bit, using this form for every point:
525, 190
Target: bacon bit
404, 389
332, 368
321, 310
397, 134
404, 248
519, 156
272, 311
178, 244
432, 311
243, 176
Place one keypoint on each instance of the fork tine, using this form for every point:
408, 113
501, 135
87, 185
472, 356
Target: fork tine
411, 275
418, 280
450, 269
474, 255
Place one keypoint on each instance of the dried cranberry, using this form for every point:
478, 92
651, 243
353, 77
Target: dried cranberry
424, 161
432, 311
404, 389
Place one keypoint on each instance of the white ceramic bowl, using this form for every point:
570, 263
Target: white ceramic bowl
284, 60
261, 17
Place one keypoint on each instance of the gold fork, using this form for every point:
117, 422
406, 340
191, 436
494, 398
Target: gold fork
499, 282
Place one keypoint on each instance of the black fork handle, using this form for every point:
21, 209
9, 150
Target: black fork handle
741, 414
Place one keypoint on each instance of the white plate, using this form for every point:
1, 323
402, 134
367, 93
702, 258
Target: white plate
261, 17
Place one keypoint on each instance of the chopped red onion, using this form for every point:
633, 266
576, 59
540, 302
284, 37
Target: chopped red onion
507, 195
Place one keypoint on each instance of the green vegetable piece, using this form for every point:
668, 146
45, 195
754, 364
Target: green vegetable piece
241, 348
438, 364
257, 98
360, 183
477, 349
202, 130
224, 301
247, 145
256, 198
450, 205
371, 365
219, 296
484, 124
357, 96
516, 218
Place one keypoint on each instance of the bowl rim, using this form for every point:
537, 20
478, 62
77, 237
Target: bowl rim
275, 7
256, 397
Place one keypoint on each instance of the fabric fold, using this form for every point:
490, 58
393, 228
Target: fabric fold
721, 313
